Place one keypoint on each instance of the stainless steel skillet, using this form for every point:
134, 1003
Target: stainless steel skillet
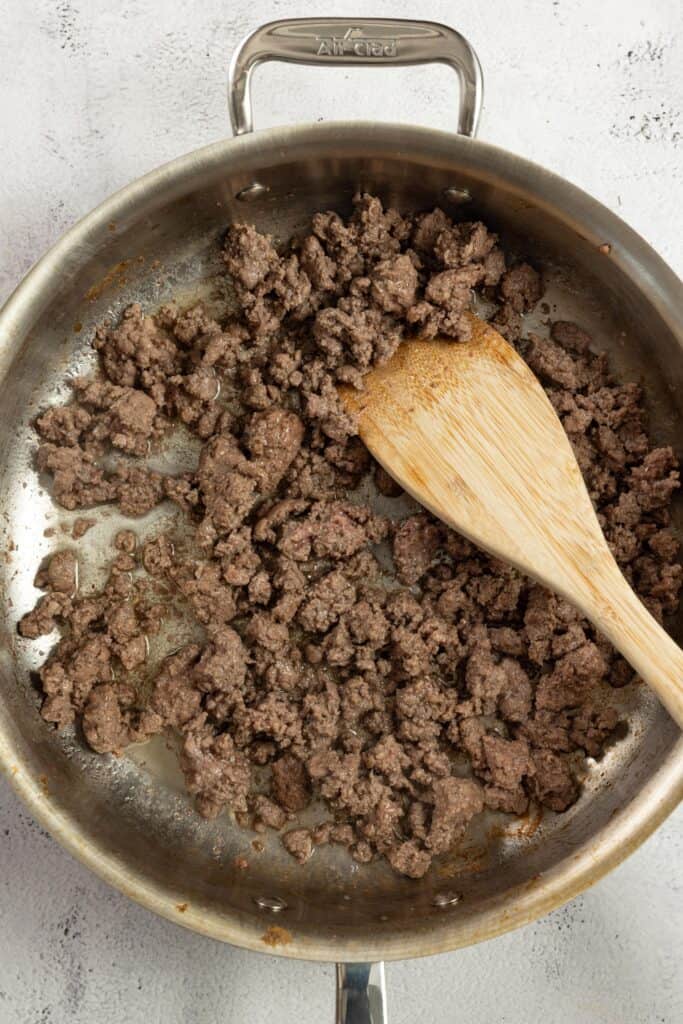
131, 821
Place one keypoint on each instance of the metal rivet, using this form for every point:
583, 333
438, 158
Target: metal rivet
446, 899
252, 192
457, 195
272, 903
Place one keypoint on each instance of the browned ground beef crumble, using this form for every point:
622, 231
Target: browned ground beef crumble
409, 700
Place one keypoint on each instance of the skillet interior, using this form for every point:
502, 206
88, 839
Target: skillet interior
129, 818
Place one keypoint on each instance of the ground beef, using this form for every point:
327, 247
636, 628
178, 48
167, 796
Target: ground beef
349, 656
268, 814
298, 842
175, 699
157, 555
103, 723
216, 772
409, 858
60, 574
290, 785
456, 801
415, 545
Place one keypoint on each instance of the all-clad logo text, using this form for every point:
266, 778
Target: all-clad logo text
354, 42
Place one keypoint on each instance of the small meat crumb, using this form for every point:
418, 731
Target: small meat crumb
81, 526
299, 843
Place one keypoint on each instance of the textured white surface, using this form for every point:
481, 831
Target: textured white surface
92, 95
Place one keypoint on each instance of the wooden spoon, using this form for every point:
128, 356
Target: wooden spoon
467, 429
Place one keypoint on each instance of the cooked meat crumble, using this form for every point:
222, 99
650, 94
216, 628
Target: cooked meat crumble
410, 693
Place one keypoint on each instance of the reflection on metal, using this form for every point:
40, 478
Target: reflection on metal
252, 192
446, 899
272, 903
457, 196
361, 994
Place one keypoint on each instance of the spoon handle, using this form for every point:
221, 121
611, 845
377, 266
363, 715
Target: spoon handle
618, 613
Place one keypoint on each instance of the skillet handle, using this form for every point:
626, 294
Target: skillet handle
361, 994
366, 41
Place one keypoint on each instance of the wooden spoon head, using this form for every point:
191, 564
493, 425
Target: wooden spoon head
467, 429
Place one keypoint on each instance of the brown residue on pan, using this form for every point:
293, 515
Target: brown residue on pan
181, 907
529, 822
241, 863
605, 248
472, 866
463, 861
524, 827
42, 779
276, 936
115, 276
258, 846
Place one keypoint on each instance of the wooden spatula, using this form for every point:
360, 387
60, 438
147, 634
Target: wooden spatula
467, 429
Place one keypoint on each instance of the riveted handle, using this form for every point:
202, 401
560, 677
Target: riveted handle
366, 41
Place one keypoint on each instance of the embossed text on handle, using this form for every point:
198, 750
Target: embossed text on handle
354, 42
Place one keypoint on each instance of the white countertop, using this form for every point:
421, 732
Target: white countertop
94, 94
